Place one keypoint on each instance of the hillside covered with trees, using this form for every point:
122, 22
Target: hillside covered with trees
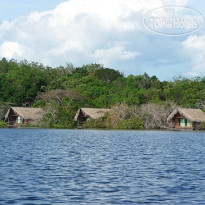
140, 101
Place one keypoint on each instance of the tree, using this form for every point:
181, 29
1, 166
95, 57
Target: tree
155, 115
107, 74
59, 96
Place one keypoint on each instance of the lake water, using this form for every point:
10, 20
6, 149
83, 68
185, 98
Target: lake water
39, 166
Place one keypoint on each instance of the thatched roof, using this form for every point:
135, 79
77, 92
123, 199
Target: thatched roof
26, 113
194, 115
92, 113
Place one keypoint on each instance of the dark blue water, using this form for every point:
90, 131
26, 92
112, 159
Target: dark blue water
101, 167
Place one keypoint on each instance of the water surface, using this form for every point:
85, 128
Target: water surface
40, 166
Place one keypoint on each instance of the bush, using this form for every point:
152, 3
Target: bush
39, 103
97, 123
63, 126
3, 124
30, 126
202, 126
132, 123
47, 121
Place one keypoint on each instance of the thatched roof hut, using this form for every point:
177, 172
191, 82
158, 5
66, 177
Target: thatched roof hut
93, 113
23, 115
194, 115
184, 117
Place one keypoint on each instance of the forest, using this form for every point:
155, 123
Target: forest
139, 101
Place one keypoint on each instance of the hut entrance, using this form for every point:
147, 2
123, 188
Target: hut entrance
81, 121
12, 117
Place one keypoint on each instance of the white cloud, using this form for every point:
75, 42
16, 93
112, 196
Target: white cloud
79, 31
194, 48
11, 49
106, 56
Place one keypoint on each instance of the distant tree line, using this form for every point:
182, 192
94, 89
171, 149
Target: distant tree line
61, 91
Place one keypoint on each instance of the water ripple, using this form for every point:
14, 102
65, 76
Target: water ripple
101, 167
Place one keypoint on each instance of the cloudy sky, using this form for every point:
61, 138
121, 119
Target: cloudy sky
109, 32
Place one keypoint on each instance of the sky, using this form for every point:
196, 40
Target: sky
108, 32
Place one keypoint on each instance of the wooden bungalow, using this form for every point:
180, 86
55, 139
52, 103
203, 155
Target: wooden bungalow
84, 114
17, 116
184, 118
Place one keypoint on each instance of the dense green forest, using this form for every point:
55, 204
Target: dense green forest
62, 91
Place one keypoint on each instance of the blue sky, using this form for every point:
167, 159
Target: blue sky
11, 9
110, 32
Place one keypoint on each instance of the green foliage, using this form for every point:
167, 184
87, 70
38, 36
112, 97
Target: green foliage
30, 125
186, 92
107, 75
39, 103
132, 123
95, 123
202, 126
3, 124
63, 90
47, 121
20, 82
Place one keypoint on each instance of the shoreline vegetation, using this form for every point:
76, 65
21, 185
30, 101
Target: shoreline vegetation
140, 102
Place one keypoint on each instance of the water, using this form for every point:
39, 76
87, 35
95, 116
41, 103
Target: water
101, 167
